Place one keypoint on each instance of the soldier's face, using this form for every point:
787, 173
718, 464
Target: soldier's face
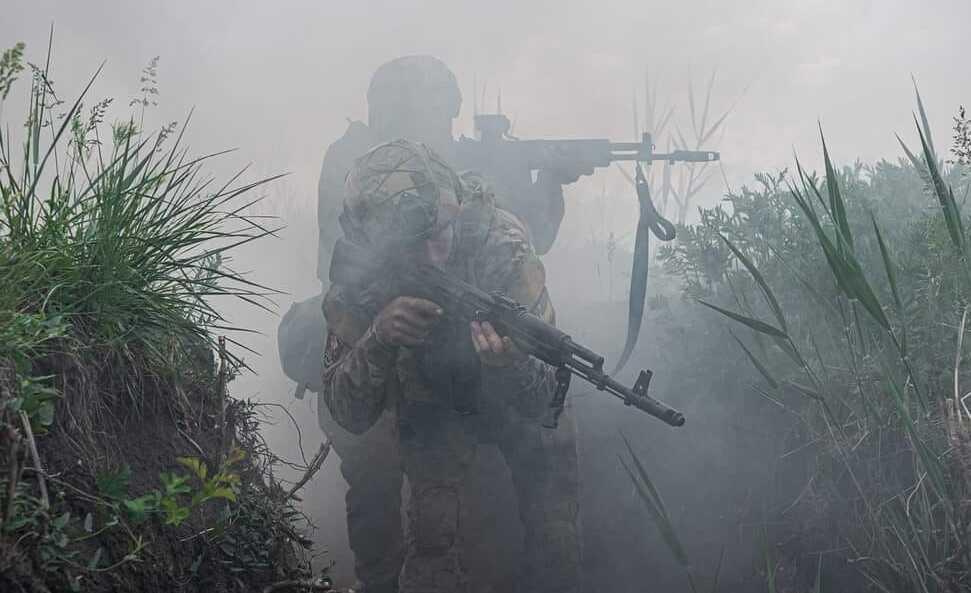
438, 247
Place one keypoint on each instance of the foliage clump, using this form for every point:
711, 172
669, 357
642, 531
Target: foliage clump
849, 294
124, 464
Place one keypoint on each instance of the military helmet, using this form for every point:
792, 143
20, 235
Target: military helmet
399, 192
409, 81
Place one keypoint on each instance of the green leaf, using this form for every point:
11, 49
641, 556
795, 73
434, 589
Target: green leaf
923, 119
174, 484
175, 513
887, 265
43, 417
226, 493
139, 508
919, 166
13, 524
837, 207
833, 257
655, 507
234, 457
763, 285
755, 362
945, 195
196, 465
844, 265
754, 324
786, 346
114, 484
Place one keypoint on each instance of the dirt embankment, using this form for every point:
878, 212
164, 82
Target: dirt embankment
140, 483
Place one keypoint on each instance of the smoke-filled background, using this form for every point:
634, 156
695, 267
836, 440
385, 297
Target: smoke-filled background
279, 81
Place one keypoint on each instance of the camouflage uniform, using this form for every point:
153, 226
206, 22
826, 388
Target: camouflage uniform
370, 462
447, 401
423, 88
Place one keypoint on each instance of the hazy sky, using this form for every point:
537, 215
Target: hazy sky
279, 79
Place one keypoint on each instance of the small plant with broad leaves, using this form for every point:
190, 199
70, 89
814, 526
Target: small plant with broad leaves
180, 493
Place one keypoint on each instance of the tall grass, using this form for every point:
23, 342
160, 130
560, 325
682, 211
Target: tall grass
853, 288
114, 244
115, 230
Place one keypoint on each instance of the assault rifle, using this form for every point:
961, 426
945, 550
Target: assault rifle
496, 148
463, 302
501, 157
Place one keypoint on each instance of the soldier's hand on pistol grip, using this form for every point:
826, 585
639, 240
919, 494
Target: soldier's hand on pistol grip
493, 350
406, 321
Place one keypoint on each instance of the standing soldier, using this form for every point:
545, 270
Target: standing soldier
414, 97
448, 382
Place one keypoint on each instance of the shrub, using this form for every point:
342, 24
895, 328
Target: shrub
853, 290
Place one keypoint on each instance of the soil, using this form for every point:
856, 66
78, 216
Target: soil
98, 429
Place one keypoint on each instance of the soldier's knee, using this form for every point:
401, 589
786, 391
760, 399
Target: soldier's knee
436, 519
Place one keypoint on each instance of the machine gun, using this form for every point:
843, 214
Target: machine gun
499, 156
463, 302
495, 147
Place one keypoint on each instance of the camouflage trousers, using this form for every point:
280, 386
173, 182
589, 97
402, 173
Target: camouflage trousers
438, 446
372, 468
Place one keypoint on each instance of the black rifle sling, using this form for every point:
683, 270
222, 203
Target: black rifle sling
649, 222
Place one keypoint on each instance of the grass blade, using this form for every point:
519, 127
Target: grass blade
837, 206
887, 265
755, 324
755, 362
923, 119
945, 194
763, 285
648, 493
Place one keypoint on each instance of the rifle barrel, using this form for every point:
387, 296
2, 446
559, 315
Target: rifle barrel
642, 402
638, 151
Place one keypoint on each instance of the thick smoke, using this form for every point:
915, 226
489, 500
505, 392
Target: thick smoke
280, 81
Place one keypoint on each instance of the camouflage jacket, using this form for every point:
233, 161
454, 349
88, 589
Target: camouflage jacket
362, 377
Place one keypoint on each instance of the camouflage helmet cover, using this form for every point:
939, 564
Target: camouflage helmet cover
409, 81
398, 192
